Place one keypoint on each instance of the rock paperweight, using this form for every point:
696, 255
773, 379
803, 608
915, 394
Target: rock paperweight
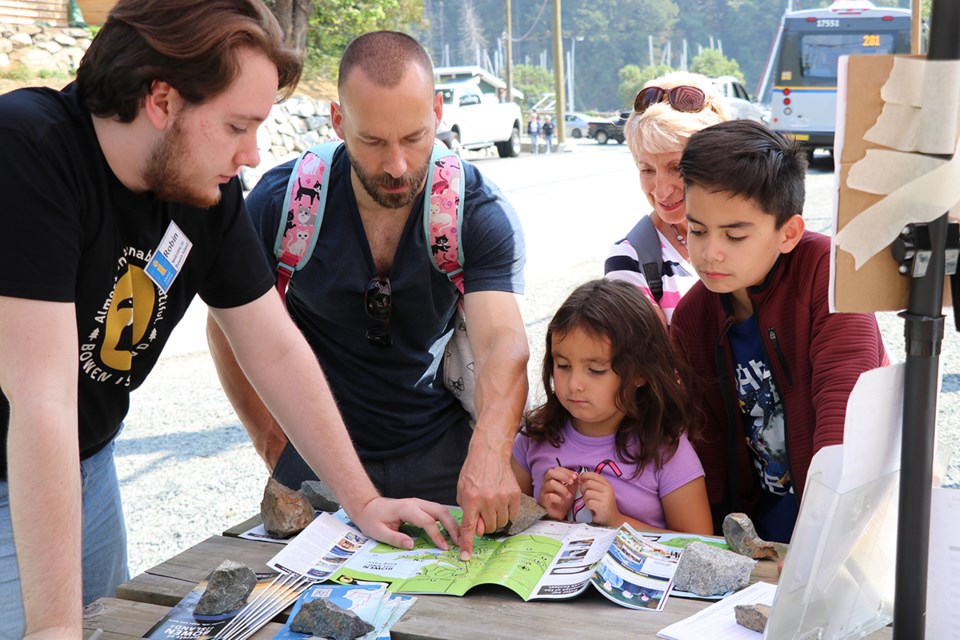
741, 536
530, 512
752, 616
320, 497
707, 570
228, 588
284, 512
324, 619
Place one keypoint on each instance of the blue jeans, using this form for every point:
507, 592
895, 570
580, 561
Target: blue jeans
104, 541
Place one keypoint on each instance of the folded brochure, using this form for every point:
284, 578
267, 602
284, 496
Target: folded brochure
550, 560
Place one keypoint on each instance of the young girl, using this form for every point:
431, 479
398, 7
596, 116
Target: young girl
609, 445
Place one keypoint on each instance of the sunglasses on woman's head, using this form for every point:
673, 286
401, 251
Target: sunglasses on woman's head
682, 98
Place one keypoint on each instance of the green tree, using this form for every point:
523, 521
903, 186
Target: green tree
336, 22
712, 63
534, 81
632, 79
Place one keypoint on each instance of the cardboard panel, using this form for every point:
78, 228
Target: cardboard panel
878, 285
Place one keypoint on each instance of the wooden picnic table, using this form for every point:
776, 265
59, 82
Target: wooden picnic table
484, 612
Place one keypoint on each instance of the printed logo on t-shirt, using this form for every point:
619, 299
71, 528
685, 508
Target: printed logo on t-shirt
126, 322
760, 403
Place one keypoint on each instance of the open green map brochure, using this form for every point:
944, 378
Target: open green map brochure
550, 560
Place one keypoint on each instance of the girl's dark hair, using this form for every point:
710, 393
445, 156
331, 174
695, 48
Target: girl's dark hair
193, 45
655, 413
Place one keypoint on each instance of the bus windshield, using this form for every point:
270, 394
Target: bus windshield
819, 51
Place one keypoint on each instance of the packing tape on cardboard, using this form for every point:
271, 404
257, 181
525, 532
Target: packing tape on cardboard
920, 108
920, 114
922, 199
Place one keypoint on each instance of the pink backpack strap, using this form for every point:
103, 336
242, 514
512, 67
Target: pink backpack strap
302, 213
443, 214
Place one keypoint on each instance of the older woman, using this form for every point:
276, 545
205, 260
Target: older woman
653, 255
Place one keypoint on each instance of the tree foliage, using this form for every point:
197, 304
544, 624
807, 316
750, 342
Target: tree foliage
632, 79
534, 81
712, 63
336, 22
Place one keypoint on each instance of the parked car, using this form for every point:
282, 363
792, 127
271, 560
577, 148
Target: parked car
605, 130
741, 104
473, 120
576, 124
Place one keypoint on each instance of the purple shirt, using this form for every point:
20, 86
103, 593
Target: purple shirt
637, 497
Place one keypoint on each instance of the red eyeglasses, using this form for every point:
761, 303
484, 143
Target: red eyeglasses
682, 98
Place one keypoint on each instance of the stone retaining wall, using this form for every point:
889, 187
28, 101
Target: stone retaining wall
292, 126
41, 49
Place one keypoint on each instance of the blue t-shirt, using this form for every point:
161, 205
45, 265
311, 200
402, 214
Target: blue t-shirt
392, 399
765, 431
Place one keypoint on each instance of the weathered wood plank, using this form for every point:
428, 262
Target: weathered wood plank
123, 619
243, 527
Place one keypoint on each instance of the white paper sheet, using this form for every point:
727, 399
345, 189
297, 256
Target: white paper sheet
943, 576
718, 621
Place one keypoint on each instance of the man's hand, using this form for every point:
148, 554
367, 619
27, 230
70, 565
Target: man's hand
487, 492
381, 519
558, 492
599, 498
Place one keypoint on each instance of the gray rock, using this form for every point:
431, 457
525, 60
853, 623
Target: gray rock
530, 512
752, 616
228, 588
707, 570
320, 497
740, 534
284, 511
324, 619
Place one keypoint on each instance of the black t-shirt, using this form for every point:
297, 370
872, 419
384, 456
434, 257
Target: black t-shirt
71, 232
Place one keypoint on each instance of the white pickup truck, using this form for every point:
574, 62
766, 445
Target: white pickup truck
475, 120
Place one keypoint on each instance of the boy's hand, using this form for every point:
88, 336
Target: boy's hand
558, 491
598, 497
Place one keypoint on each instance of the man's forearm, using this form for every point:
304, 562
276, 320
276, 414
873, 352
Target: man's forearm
266, 435
270, 360
44, 481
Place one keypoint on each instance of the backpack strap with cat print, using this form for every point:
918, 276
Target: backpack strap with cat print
306, 197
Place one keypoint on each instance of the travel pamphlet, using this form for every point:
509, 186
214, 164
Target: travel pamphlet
180, 623
371, 602
550, 560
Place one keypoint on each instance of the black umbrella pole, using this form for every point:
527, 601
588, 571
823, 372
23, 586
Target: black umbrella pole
923, 331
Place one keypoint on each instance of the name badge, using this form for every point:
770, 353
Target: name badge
168, 258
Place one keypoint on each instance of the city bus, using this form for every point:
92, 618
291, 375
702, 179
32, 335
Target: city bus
803, 100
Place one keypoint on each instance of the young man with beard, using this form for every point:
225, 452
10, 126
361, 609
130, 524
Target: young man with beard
413, 436
126, 181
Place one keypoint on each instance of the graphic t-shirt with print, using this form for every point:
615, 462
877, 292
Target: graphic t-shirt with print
761, 407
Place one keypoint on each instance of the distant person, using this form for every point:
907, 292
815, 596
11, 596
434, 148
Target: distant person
533, 130
775, 367
666, 112
128, 176
610, 444
385, 366
548, 128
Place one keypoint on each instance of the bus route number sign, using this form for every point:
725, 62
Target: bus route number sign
871, 40
828, 23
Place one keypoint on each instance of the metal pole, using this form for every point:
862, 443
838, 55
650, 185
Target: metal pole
923, 331
508, 76
560, 98
915, 22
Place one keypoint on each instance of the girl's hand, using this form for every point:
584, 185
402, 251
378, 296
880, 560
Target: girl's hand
598, 497
558, 491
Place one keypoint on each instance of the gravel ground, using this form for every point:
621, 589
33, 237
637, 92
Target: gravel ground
187, 470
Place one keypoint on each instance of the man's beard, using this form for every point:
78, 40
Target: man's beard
372, 184
166, 177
